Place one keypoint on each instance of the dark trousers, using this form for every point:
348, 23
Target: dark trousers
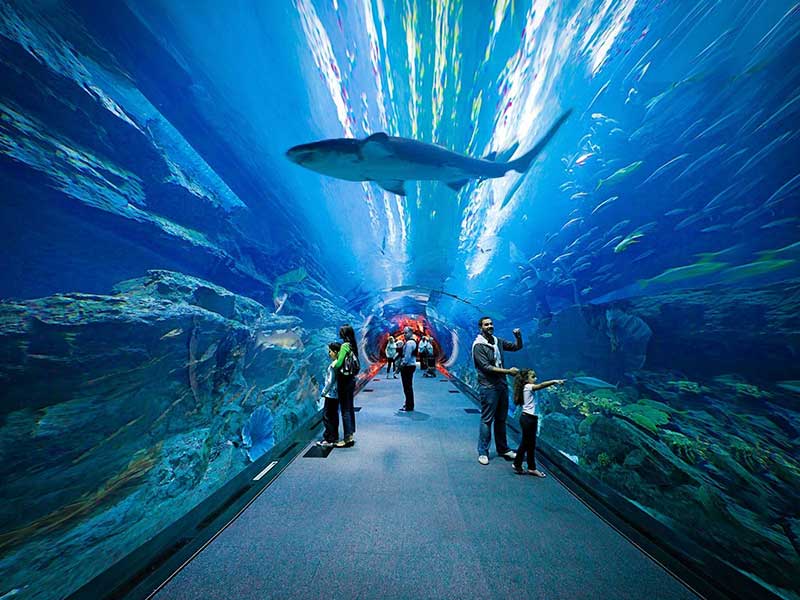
494, 411
407, 376
529, 424
345, 388
330, 418
390, 365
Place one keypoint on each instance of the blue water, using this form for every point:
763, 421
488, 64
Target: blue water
652, 245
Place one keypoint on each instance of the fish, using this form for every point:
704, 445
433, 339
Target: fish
754, 269
631, 239
545, 335
758, 156
594, 382
288, 278
733, 157
778, 114
581, 160
769, 254
691, 219
562, 257
698, 269
711, 256
579, 196
792, 385
390, 161
618, 227
689, 130
279, 302
660, 170
172, 333
717, 200
645, 254
580, 268
676, 211
711, 128
782, 192
713, 228
780, 222
571, 222
604, 204
752, 215
619, 175
281, 338
605, 268
701, 161
613, 241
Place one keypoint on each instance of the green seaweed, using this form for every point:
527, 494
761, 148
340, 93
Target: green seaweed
645, 416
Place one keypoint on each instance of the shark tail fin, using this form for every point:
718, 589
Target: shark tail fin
523, 163
504, 155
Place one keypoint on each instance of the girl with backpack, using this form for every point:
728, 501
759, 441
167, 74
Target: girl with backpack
525, 385
346, 367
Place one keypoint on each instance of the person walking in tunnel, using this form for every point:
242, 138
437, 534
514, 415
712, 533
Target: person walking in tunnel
431, 372
487, 354
408, 364
425, 355
399, 344
525, 387
346, 367
391, 354
330, 399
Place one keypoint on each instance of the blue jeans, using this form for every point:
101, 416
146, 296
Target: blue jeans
494, 409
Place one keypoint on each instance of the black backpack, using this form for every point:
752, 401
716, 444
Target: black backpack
350, 365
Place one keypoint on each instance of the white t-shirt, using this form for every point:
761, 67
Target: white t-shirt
528, 399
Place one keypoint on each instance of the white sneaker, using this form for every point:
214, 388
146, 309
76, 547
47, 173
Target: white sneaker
483, 459
510, 455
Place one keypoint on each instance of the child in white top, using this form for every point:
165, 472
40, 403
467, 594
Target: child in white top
330, 399
525, 386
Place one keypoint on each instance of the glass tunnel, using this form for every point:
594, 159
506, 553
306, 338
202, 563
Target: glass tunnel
196, 196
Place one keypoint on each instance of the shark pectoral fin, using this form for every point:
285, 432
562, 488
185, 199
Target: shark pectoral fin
396, 186
457, 185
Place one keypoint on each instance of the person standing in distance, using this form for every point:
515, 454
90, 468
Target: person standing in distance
408, 364
487, 354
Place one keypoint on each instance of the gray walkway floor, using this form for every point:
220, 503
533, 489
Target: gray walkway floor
410, 513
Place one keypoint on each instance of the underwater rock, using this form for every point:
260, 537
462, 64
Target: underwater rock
629, 335
559, 431
148, 392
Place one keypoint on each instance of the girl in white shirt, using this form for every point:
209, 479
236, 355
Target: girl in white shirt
525, 386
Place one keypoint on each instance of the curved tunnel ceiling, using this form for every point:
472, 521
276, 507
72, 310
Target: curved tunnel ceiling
655, 167
656, 98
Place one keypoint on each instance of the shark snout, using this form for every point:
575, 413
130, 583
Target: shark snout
299, 154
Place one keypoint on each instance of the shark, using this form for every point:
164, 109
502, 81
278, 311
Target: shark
390, 161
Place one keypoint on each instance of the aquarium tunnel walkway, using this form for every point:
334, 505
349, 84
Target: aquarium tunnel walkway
408, 512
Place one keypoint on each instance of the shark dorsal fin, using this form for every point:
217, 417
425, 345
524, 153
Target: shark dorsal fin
375, 146
396, 186
377, 137
491, 156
